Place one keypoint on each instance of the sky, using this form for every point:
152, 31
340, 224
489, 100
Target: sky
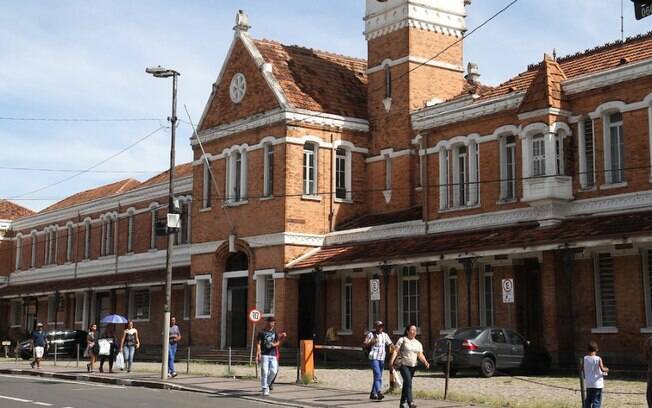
86, 60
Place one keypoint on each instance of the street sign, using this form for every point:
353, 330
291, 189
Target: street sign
6, 343
508, 290
642, 8
374, 289
255, 316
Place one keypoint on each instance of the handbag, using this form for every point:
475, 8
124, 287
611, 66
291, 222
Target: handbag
398, 362
120, 361
104, 347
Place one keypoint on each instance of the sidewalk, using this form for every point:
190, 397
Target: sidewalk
284, 394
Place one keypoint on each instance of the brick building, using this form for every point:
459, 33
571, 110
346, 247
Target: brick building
322, 173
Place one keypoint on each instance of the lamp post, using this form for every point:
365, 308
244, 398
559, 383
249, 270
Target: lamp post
160, 72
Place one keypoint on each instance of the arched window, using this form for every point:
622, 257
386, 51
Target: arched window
19, 251
268, 175
343, 173
310, 151
87, 239
108, 235
32, 262
236, 177
69, 242
614, 150
207, 190
508, 167
237, 262
388, 81
153, 210
130, 230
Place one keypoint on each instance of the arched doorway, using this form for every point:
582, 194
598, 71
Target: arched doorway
234, 303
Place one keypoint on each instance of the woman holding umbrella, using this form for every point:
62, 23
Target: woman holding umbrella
109, 337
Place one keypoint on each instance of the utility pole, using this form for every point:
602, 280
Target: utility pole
160, 72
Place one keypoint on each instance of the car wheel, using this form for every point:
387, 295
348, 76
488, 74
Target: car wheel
487, 367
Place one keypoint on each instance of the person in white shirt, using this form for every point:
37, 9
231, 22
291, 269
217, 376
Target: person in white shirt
406, 355
376, 344
594, 372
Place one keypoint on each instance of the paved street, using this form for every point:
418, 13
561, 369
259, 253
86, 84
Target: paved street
25, 392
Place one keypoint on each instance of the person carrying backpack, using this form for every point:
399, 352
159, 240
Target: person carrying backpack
375, 345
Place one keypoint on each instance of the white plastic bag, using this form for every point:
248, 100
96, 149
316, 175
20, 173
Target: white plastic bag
105, 347
120, 361
398, 380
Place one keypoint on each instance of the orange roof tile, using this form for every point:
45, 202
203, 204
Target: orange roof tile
12, 211
181, 170
94, 194
545, 90
318, 80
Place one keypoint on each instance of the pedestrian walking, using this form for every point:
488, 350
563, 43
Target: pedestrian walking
594, 372
375, 345
108, 345
407, 354
39, 345
266, 349
129, 344
175, 338
648, 357
91, 347
281, 338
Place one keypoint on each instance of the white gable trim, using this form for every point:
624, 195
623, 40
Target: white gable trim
623, 73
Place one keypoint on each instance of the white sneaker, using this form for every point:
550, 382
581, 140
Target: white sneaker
265, 392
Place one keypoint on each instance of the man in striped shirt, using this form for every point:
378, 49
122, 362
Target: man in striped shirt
377, 342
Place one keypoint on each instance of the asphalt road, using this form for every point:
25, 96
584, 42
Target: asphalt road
32, 392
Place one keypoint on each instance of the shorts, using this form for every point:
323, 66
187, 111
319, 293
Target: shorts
38, 352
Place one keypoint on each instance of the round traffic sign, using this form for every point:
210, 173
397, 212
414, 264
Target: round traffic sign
255, 315
508, 285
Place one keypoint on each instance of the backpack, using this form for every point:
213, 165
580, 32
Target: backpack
366, 349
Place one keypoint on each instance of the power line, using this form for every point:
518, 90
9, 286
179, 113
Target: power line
49, 170
73, 120
92, 167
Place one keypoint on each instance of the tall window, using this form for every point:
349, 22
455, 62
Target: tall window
203, 297
461, 180
153, 215
451, 299
130, 231
32, 262
236, 176
647, 283
443, 179
79, 307
587, 154
347, 304
19, 252
615, 149
340, 174
15, 313
268, 189
69, 242
538, 156
108, 231
409, 296
87, 239
183, 236
422, 164
486, 296
207, 188
508, 168
388, 81
139, 301
51, 241
236, 191
559, 155
605, 291
265, 293
388, 172
309, 169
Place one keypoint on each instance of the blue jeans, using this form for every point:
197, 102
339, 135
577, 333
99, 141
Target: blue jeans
128, 353
406, 393
377, 367
171, 353
593, 398
269, 368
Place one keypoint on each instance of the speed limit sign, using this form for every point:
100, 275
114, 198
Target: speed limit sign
255, 315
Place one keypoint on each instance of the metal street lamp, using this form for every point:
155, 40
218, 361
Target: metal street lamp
160, 72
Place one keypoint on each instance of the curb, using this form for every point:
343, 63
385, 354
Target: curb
145, 384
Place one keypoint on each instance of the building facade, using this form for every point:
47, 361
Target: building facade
316, 176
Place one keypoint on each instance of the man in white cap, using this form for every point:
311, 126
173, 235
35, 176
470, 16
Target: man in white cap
39, 344
376, 343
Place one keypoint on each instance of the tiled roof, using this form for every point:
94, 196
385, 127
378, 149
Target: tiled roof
11, 211
545, 90
318, 80
611, 55
181, 170
519, 236
369, 220
119, 279
94, 194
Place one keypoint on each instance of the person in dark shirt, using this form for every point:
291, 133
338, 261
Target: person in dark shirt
175, 338
266, 348
39, 344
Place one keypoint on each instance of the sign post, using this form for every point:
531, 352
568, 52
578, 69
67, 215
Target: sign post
374, 289
642, 8
508, 298
254, 317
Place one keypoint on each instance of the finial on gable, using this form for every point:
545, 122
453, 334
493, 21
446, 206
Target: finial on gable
241, 21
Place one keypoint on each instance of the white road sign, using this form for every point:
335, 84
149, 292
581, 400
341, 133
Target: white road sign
508, 290
374, 289
255, 316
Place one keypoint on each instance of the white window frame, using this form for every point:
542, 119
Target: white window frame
646, 258
207, 186
131, 214
443, 179
16, 313
33, 239
87, 239
236, 178
346, 304
132, 304
598, 289
610, 174
402, 277
261, 277
200, 295
153, 211
587, 175
342, 165
538, 142
421, 153
310, 185
19, 252
460, 176
182, 237
268, 165
449, 325
486, 272
508, 178
70, 231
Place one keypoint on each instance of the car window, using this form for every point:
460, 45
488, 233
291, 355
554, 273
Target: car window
497, 336
515, 338
467, 333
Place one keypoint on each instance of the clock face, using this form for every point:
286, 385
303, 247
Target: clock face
238, 87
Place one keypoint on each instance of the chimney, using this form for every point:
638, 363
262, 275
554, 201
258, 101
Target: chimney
472, 74
241, 21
